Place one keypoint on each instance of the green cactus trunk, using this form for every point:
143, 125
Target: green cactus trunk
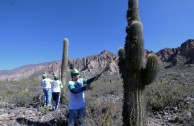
135, 77
64, 68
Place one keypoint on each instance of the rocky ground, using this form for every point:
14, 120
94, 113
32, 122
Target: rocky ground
22, 116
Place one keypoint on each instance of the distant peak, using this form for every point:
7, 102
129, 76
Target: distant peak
105, 52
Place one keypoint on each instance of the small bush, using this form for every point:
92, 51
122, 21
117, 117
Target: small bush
162, 95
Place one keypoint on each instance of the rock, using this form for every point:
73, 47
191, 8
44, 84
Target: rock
158, 116
167, 54
6, 116
187, 49
173, 119
89, 63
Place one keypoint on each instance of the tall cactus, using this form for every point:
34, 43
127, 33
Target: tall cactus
64, 68
135, 76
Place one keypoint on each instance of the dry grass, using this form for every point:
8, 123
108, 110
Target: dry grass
19, 93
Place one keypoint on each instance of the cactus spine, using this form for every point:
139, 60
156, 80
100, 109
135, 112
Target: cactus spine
64, 67
134, 75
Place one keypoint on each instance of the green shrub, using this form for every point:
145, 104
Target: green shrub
162, 95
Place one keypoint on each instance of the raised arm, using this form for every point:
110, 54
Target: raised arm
89, 81
76, 90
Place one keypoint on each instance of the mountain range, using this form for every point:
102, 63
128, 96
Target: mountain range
93, 64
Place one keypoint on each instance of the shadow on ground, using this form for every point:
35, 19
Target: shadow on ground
54, 122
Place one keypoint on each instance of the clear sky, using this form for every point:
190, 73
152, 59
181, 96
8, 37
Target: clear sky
32, 31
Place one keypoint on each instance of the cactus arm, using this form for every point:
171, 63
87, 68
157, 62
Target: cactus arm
121, 63
126, 94
150, 72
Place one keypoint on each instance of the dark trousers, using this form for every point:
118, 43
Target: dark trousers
76, 115
56, 98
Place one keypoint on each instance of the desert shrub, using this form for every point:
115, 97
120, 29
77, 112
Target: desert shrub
104, 103
44, 110
22, 98
161, 95
106, 85
20, 93
104, 111
4, 95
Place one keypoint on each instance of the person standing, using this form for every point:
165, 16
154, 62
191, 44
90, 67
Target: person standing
46, 85
56, 91
76, 87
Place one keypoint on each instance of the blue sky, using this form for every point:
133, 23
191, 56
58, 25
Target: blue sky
32, 31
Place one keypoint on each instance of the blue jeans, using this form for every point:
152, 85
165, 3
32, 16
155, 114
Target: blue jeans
76, 115
47, 96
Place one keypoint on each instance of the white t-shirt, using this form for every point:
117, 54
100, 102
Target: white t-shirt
56, 86
76, 101
46, 83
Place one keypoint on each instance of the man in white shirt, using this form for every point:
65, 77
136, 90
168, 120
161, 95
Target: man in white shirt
77, 86
46, 85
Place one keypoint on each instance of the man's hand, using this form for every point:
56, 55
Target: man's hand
98, 76
88, 86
